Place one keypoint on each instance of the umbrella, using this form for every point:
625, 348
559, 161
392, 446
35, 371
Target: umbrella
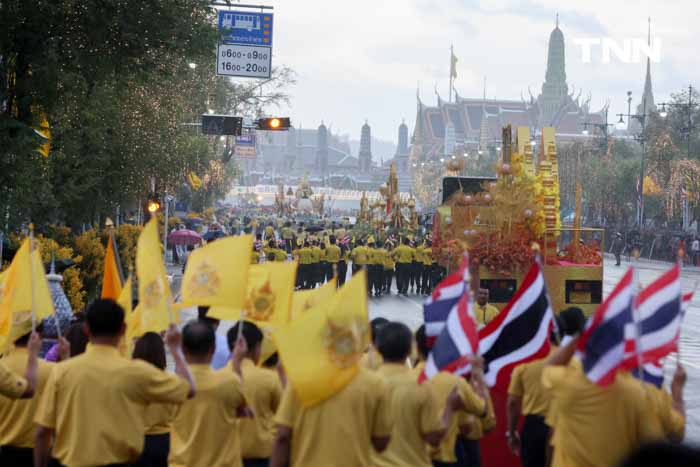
213, 235
184, 237
314, 228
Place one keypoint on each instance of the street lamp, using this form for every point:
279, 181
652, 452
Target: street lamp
641, 137
688, 107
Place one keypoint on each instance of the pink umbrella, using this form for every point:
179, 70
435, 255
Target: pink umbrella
184, 237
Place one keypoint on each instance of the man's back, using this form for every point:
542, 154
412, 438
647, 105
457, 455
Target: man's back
415, 412
263, 392
95, 402
594, 426
17, 415
204, 431
338, 431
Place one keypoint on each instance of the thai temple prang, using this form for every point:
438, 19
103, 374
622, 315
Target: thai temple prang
477, 122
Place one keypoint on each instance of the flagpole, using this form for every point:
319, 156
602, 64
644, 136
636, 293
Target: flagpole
31, 265
637, 330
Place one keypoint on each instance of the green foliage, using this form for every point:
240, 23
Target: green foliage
113, 81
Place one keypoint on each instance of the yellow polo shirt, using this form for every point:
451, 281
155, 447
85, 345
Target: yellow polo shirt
595, 426
526, 383
315, 254
333, 253
205, 430
403, 254
17, 415
484, 314
414, 409
255, 257
304, 255
338, 431
427, 256
442, 385
360, 255
377, 256
418, 255
95, 402
11, 385
263, 392
665, 421
159, 418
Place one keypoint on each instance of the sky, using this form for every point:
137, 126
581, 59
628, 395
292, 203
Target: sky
366, 59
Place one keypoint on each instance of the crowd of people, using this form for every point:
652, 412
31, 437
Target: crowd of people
99, 407
96, 400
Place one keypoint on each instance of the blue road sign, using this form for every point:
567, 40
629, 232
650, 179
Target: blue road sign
245, 28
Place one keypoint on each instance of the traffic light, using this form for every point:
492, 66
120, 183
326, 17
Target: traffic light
153, 204
274, 124
222, 125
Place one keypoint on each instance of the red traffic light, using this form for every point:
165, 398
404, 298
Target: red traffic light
274, 123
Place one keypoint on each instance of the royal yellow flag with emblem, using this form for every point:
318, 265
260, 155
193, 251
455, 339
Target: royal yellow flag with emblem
112, 275
304, 300
267, 303
320, 350
24, 290
216, 274
154, 289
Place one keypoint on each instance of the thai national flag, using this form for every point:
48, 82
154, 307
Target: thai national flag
601, 346
657, 321
437, 307
653, 372
520, 332
458, 341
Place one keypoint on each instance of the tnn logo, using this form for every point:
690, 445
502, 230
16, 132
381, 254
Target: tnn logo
630, 51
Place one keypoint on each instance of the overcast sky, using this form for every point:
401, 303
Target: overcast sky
364, 59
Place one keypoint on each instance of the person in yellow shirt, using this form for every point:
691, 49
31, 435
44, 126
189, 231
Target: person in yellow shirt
305, 268
340, 431
371, 359
375, 269
414, 407
388, 268
343, 264
287, 235
17, 415
403, 255
667, 414
527, 396
333, 257
593, 425
469, 439
427, 280
108, 391
484, 311
263, 392
205, 429
158, 417
269, 232
324, 267
359, 256
444, 385
417, 268
14, 386
315, 264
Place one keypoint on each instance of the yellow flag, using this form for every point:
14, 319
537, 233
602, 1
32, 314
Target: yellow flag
320, 350
112, 276
267, 302
24, 289
154, 289
304, 300
125, 301
217, 273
